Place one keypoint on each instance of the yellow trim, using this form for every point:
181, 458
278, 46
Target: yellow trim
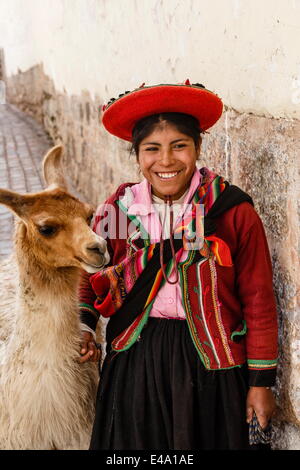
217, 311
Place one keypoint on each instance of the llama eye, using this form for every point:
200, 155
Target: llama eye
47, 230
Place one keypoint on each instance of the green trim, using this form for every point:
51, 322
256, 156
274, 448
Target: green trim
196, 197
131, 237
239, 333
89, 307
168, 270
137, 223
189, 317
138, 329
187, 306
230, 367
262, 361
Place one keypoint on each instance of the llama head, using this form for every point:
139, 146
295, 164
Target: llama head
56, 225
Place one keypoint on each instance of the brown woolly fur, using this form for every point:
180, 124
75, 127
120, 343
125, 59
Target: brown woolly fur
46, 396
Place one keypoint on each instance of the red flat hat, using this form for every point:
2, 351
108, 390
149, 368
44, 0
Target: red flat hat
121, 115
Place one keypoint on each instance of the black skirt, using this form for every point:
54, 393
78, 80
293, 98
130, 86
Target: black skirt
158, 395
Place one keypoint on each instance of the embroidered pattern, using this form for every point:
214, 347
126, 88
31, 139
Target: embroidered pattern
213, 273
131, 334
192, 328
115, 282
130, 245
199, 292
128, 337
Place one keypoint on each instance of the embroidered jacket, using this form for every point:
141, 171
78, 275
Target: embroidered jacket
230, 310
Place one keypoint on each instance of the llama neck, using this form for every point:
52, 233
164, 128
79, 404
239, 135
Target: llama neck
47, 298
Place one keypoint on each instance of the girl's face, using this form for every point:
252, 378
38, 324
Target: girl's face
167, 159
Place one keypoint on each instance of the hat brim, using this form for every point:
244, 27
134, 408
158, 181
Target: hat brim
120, 117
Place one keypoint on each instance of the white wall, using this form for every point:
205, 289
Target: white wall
246, 51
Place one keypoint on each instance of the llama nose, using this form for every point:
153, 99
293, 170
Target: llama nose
96, 249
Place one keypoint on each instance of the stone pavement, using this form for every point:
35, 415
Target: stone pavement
23, 144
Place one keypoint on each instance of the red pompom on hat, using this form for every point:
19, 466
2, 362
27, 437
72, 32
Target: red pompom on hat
121, 115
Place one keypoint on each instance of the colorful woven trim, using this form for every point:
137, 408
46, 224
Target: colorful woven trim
189, 314
136, 222
260, 364
216, 304
112, 284
143, 87
219, 248
89, 308
213, 186
210, 189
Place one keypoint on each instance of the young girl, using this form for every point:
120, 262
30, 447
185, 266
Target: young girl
192, 330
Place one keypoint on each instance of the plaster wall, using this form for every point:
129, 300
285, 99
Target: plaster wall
245, 51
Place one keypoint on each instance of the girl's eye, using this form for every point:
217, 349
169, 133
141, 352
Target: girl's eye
151, 149
179, 146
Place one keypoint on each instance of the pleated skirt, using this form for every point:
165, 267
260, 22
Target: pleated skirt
157, 395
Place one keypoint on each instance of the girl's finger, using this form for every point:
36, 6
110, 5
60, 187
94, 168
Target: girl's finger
83, 347
249, 414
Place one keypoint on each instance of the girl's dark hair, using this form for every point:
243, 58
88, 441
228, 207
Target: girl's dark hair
184, 123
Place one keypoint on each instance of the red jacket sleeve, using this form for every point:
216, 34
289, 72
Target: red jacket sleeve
255, 289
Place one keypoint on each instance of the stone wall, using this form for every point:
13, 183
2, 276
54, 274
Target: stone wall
2, 65
259, 154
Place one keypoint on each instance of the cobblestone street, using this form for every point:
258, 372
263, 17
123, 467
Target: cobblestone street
23, 144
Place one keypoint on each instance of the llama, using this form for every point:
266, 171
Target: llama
46, 396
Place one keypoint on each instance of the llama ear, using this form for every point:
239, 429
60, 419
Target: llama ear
53, 172
14, 201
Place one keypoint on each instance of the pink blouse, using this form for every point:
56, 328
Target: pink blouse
168, 302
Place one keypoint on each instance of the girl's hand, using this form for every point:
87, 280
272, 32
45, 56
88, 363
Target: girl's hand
262, 401
89, 350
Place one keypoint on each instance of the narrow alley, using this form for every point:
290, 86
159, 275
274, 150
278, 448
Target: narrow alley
23, 144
